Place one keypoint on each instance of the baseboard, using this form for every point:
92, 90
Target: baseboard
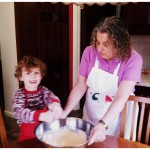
9, 114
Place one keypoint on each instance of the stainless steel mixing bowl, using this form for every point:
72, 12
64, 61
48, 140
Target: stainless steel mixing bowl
71, 122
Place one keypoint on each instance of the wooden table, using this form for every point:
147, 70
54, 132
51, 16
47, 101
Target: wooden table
110, 142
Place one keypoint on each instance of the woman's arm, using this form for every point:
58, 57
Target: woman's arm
121, 97
76, 94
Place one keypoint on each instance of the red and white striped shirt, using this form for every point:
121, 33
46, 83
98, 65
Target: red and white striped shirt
27, 105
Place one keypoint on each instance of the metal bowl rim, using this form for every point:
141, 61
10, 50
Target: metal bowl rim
79, 145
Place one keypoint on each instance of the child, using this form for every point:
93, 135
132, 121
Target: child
33, 103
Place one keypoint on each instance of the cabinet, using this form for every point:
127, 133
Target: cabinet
42, 30
142, 91
137, 16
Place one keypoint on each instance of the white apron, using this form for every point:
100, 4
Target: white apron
100, 94
102, 87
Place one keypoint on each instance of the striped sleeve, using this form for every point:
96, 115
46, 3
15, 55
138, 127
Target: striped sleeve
49, 96
22, 114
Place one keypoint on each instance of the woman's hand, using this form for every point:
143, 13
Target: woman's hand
98, 134
63, 115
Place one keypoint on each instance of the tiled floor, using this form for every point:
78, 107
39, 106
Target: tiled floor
12, 128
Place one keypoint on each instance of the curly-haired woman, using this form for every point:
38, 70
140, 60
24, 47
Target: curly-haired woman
108, 73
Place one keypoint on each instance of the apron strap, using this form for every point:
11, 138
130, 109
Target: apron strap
117, 69
96, 63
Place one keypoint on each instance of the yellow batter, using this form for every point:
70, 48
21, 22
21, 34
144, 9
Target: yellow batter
64, 137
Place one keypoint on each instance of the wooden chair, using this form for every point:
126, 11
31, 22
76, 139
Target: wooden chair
143, 119
3, 135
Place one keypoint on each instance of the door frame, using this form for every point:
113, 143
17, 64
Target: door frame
74, 44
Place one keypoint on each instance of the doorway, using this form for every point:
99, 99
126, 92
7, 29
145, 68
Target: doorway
42, 30
90, 15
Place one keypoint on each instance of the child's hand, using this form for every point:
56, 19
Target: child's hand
56, 109
46, 116
54, 113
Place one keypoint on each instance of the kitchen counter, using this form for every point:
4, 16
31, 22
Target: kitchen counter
145, 80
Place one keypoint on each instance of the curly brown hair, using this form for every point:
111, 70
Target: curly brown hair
29, 62
117, 32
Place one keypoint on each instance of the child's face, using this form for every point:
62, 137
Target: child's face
31, 78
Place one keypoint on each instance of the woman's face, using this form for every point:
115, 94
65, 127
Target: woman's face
105, 46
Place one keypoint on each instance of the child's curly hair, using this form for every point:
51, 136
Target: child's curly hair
29, 62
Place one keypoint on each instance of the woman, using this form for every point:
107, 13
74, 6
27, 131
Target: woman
108, 72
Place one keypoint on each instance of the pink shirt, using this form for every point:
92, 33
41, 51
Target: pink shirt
129, 69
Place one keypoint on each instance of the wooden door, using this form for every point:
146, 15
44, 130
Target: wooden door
54, 22
90, 15
137, 17
27, 35
49, 23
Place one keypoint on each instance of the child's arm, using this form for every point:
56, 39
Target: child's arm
26, 115
23, 114
56, 109
52, 114
46, 116
53, 104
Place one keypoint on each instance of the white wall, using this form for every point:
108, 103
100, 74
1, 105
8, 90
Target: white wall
8, 53
76, 43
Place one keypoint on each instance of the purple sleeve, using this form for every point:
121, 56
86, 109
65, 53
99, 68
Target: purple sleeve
87, 61
83, 68
133, 68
